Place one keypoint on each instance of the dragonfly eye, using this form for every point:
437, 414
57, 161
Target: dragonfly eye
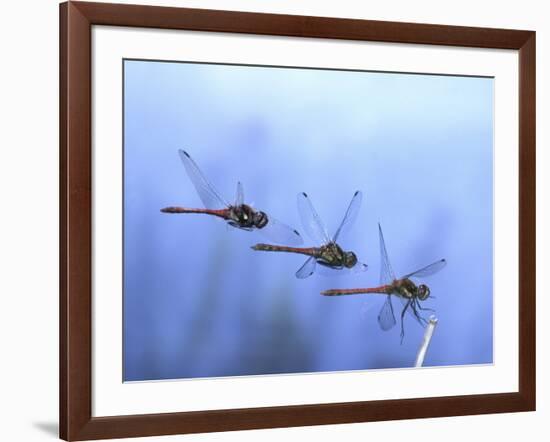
350, 259
423, 292
260, 219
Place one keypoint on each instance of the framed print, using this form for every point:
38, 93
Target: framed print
274, 220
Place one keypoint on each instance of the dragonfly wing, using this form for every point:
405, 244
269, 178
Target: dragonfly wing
350, 216
239, 199
279, 232
386, 273
307, 269
428, 270
311, 221
325, 270
386, 318
366, 308
208, 195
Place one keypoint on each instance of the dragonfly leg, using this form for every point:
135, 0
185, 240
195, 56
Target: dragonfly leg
425, 308
402, 318
419, 318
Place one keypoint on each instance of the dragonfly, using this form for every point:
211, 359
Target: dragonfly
238, 215
408, 292
329, 254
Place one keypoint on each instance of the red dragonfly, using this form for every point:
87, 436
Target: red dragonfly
403, 289
329, 255
239, 215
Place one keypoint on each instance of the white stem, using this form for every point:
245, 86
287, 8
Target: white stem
426, 341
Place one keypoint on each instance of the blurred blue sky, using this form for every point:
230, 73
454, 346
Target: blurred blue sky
198, 302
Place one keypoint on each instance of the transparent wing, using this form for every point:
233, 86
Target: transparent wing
326, 270
366, 308
386, 318
428, 270
280, 233
208, 195
350, 216
311, 221
239, 199
307, 269
386, 273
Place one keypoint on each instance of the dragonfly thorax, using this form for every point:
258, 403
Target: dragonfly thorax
331, 254
405, 288
245, 216
408, 289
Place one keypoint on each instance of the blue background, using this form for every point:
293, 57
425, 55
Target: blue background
198, 302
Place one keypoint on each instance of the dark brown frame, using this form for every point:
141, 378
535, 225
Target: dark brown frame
76, 421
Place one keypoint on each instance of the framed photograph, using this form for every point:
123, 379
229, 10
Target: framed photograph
274, 220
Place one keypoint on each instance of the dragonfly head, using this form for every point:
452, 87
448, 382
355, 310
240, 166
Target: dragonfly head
349, 260
423, 292
260, 219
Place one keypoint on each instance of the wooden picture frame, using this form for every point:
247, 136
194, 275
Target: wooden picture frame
76, 21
